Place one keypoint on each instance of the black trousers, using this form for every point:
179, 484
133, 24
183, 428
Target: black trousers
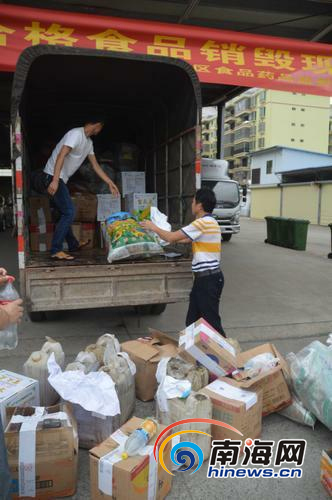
204, 301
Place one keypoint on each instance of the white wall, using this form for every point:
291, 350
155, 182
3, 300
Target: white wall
260, 160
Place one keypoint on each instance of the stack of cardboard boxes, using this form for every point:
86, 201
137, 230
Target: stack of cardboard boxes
42, 442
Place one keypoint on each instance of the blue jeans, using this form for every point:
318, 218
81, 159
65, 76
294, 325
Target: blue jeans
63, 230
5, 479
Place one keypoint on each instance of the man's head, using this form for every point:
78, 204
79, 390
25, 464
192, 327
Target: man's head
204, 202
94, 126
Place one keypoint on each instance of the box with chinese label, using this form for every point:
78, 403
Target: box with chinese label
42, 447
140, 204
242, 409
132, 182
202, 343
138, 477
16, 390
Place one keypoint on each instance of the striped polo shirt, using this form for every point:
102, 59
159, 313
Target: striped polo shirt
206, 237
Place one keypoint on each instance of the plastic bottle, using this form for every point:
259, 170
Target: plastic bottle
8, 336
140, 437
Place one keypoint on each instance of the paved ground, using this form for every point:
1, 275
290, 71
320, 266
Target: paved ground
271, 294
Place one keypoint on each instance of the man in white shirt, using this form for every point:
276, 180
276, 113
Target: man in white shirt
65, 160
205, 236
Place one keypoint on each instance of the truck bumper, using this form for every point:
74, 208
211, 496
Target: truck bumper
229, 228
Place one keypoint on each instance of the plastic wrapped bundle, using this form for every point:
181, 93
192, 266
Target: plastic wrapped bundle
198, 376
108, 339
36, 367
297, 412
121, 369
88, 360
96, 185
126, 239
196, 405
311, 374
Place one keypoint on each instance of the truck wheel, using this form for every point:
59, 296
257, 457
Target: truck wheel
151, 309
37, 316
157, 309
226, 237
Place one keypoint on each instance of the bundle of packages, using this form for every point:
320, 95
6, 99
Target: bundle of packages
127, 239
311, 372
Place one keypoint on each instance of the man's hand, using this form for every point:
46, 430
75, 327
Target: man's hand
3, 276
14, 310
148, 225
113, 188
53, 187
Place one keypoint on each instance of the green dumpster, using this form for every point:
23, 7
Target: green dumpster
329, 256
270, 229
298, 231
283, 232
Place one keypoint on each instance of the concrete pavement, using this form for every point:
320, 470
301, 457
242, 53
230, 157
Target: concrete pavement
271, 294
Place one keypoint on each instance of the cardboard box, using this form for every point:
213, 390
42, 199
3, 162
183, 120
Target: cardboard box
16, 390
108, 204
41, 237
237, 407
42, 452
85, 207
326, 470
202, 343
133, 478
132, 182
39, 210
146, 354
137, 202
276, 394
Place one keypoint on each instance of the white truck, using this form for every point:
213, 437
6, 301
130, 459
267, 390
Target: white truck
227, 212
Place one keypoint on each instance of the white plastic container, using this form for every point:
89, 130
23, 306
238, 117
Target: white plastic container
36, 367
196, 405
52, 345
119, 370
8, 336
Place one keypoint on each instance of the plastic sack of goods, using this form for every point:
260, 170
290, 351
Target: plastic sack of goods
127, 239
311, 373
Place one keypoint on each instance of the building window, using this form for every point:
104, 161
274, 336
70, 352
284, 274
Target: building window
293, 109
256, 176
293, 124
302, 109
269, 165
262, 112
302, 124
261, 142
262, 96
301, 140
293, 140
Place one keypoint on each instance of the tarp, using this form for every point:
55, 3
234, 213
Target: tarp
217, 56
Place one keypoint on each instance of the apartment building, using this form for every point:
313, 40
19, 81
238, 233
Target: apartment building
209, 132
259, 119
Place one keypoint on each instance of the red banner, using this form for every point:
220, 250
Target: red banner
218, 56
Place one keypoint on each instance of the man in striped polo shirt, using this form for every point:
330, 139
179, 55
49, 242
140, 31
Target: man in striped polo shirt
205, 236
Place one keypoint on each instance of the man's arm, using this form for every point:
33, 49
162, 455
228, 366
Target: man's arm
100, 172
53, 187
169, 236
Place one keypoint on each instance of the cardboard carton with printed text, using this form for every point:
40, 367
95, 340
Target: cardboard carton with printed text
138, 477
237, 407
42, 447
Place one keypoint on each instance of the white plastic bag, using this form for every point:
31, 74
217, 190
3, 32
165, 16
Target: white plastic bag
169, 387
160, 220
311, 373
262, 362
298, 413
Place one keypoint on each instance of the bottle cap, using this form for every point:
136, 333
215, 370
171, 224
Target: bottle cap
124, 455
36, 356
